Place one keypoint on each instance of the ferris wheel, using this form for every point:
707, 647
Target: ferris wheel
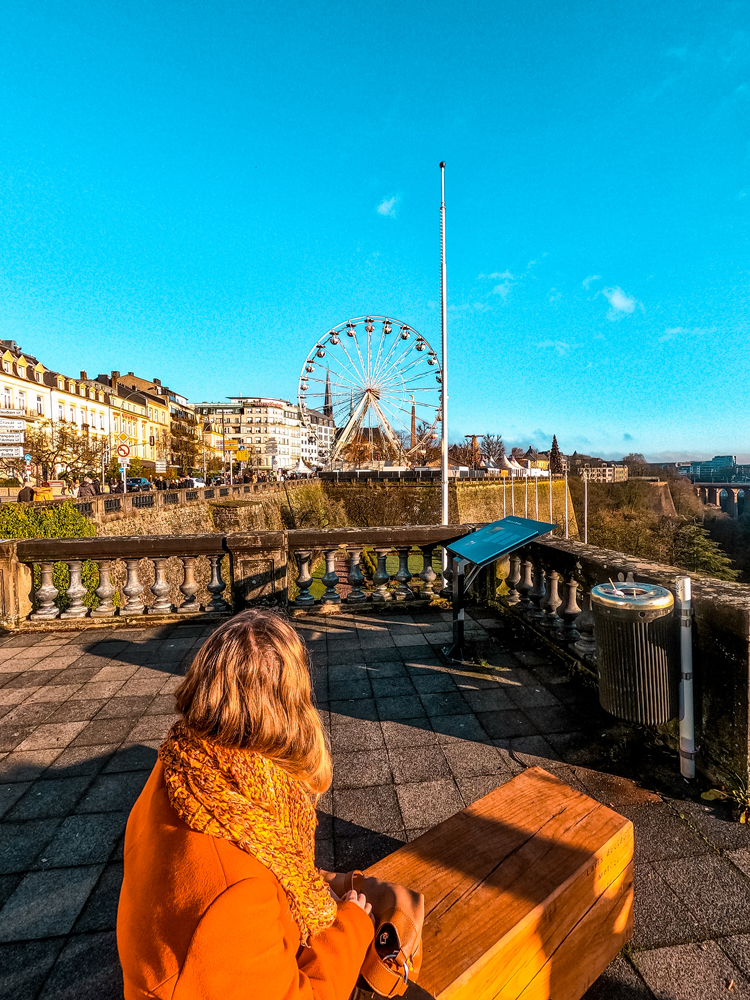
381, 382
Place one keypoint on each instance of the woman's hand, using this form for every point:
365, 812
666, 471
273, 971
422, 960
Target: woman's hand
359, 898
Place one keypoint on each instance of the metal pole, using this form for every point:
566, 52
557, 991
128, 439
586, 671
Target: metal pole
549, 487
444, 330
505, 490
526, 496
536, 495
687, 717
512, 495
566, 504
586, 509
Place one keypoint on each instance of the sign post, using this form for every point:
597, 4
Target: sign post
123, 453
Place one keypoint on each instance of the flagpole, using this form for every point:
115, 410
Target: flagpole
444, 329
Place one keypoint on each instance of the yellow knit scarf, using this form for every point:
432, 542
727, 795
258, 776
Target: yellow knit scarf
243, 797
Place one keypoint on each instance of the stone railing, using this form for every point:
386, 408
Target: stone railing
549, 587
117, 504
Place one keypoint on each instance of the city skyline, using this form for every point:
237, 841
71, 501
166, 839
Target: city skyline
210, 191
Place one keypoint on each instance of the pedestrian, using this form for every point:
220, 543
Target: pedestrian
87, 489
43, 492
26, 493
220, 893
74, 489
97, 486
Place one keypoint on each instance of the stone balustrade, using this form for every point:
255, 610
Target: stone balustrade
123, 503
548, 585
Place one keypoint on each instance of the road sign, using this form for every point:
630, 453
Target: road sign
9, 412
123, 450
11, 437
161, 465
27, 457
10, 451
122, 437
12, 425
242, 456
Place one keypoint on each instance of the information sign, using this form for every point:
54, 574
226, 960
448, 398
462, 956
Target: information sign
11, 437
10, 451
497, 539
7, 411
12, 425
122, 437
27, 457
242, 456
161, 465
123, 450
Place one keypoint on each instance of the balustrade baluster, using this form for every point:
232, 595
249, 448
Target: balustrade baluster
585, 647
216, 586
552, 601
304, 579
447, 590
331, 595
160, 589
46, 593
568, 633
75, 591
403, 576
537, 592
189, 587
356, 578
512, 580
133, 589
381, 578
526, 583
105, 591
428, 574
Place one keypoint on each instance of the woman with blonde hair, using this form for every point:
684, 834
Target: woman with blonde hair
221, 897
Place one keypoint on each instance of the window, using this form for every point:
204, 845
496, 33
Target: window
61, 412
40, 406
38, 376
101, 421
73, 414
7, 397
21, 400
6, 366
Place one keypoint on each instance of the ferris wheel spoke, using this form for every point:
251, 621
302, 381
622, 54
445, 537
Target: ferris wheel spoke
359, 372
391, 349
353, 372
396, 363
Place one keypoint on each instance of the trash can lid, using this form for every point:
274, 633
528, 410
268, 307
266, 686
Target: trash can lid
635, 596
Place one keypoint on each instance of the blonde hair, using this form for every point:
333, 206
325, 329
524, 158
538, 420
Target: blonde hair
249, 688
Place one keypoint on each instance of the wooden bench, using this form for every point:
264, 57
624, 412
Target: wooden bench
528, 892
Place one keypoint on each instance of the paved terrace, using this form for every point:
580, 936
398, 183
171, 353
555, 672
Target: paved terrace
413, 741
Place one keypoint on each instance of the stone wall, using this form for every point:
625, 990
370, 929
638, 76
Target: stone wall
377, 503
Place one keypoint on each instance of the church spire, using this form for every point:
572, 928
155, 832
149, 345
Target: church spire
328, 405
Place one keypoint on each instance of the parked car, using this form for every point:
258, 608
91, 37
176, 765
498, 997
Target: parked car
139, 485
198, 483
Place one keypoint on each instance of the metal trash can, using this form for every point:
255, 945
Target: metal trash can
636, 652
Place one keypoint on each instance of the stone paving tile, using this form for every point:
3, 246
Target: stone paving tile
76, 711
87, 969
78, 760
100, 911
691, 972
408, 733
476, 786
10, 793
21, 843
46, 799
458, 727
413, 764
83, 840
619, 982
468, 759
47, 903
113, 792
391, 709
26, 766
52, 735
376, 809
660, 835
507, 725
24, 967
361, 768
714, 822
133, 757
712, 888
359, 735
31, 713
661, 918
427, 803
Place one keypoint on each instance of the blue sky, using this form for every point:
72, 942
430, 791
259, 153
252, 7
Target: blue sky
198, 191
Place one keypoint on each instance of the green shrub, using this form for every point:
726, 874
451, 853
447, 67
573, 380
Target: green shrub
60, 521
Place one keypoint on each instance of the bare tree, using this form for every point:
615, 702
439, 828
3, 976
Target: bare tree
492, 448
63, 447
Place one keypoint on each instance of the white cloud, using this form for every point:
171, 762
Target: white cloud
388, 207
558, 346
506, 275
620, 303
553, 295
674, 332
591, 278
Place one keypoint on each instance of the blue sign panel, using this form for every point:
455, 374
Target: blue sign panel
498, 539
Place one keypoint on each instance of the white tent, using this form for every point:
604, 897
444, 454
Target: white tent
301, 469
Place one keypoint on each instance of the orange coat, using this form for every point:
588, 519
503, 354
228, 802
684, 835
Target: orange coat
201, 919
